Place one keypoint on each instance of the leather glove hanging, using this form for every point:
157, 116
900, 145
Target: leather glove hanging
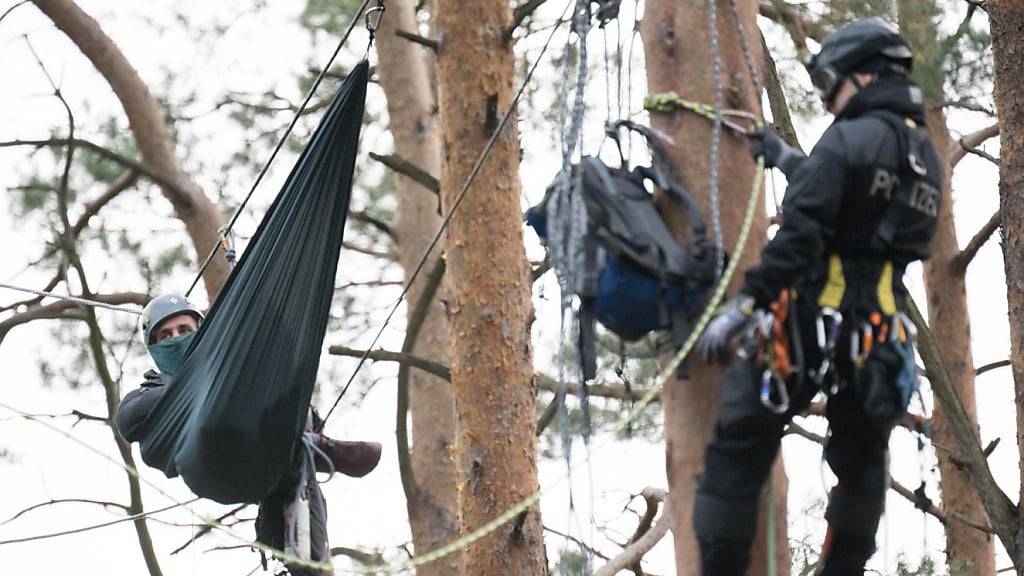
777, 154
714, 344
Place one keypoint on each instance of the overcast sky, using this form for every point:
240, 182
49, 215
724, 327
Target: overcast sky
266, 49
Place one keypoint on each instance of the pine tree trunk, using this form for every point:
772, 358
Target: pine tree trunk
1007, 22
945, 283
405, 76
488, 282
676, 46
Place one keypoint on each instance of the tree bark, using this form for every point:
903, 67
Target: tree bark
201, 217
670, 31
404, 72
1006, 18
945, 283
488, 282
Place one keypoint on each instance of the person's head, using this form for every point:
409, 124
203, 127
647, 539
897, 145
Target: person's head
169, 316
854, 56
166, 323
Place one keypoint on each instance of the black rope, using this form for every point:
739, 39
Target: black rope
455, 205
133, 517
298, 114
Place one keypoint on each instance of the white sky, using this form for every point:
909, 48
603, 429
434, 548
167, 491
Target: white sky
267, 49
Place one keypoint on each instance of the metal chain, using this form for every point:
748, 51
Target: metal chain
754, 77
716, 136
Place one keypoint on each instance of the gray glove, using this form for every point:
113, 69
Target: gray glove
777, 154
714, 344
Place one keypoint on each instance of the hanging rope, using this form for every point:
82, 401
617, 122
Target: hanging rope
75, 299
716, 136
451, 211
666, 373
379, 9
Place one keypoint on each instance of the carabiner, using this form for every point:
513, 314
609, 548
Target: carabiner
768, 379
828, 337
373, 23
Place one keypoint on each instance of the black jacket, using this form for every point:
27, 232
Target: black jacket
839, 195
138, 403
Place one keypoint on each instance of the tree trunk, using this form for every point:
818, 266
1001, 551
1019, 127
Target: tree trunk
1007, 21
201, 217
945, 283
404, 71
488, 282
671, 30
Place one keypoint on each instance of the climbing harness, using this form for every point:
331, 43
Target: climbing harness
226, 229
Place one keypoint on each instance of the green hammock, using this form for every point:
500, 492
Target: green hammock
230, 420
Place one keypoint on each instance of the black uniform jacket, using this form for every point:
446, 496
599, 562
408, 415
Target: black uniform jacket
838, 195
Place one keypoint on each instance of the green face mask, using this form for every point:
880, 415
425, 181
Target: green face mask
169, 353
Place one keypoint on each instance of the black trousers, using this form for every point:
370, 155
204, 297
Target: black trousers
746, 440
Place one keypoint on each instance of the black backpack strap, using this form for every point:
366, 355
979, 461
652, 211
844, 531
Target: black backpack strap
588, 314
909, 163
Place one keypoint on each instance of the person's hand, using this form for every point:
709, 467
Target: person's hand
714, 344
777, 154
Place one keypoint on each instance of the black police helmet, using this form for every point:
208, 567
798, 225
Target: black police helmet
851, 47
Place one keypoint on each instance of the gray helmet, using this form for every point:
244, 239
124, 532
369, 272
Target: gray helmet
851, 47
162, 308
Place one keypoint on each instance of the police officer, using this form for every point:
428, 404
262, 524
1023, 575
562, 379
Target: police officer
859, 208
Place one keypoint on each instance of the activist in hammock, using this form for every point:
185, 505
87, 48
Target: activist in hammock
169, 323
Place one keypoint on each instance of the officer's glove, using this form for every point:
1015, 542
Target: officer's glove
777, 154
714, 344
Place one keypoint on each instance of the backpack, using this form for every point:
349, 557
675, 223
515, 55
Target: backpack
636, 277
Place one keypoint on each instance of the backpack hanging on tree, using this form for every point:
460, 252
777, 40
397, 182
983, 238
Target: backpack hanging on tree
635, 278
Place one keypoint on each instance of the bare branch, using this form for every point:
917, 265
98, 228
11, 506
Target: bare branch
12, 9
417, 39
362, 216
959, 148
969, 105
963, 259
439, 370
631, 556
100, 150
979, 152
123, 182
1001, 511
65, 310
103, 503
549, 384
777, 99
369, 251
364, 558
578, 542
521, 13
991, 366
410, 170
412, 332
799, 28
57, 278
208, 527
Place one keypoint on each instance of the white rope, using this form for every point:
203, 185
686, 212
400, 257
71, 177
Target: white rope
75, 299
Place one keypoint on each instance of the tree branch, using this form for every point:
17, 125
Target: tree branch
960, 148
208, 527
631, 556
777, 99
964, 257
125, 161
521, 13
409, 170
429, 366
970, 105
362, 216
364, 558
412, 332
1001, 511
549, 384
65, 310
799, 28
123, 182
103, 503
578, 542
991, 366
417, 39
